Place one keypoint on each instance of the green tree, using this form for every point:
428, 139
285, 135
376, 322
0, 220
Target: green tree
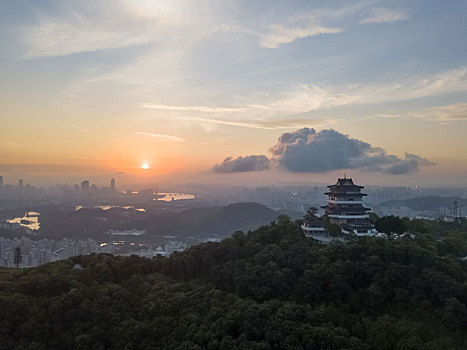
391, 225
311, 213
334, 230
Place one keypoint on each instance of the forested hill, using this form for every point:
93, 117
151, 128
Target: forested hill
270, 289
222, 220
210, 220
425, 203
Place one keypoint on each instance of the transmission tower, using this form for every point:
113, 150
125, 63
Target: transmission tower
18, 258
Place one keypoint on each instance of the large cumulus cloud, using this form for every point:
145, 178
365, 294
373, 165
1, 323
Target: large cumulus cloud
242, 164
308, 151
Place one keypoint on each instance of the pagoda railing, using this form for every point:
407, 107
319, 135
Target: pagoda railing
349, 216
335, 201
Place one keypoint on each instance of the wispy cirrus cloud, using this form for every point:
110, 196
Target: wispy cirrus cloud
77, 27
274, 35
55, 37
311, 97
304, 25
266, 124
385, 15
207, 109
443, 114
453, 112
314, 97
9, 143
280, 34
168, 138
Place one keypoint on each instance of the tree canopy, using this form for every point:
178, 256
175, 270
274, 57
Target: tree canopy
269, 289
391, 225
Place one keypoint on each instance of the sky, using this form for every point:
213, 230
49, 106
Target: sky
234, 91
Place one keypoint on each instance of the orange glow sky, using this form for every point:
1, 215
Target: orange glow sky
93, 89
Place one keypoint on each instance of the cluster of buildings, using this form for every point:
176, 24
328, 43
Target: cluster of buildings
34, 253
31, 253
344, 209
20, 184
169, 248
86, 188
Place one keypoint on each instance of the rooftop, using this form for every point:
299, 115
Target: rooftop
344, 182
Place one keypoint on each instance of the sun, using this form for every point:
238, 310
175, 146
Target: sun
145, 166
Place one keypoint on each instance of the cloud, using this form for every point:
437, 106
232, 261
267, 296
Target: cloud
80, 33
242, 164
385, 15
306, 150
76, 27
408, 165
453, 112
304, 25
12, 144
168, 138
206, 109
279, 34
443, 114
265, 124
310, 97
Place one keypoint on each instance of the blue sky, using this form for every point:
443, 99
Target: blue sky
110, 84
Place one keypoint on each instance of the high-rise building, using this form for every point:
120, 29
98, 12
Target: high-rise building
1, 183
112, 185
85, 186
20, 183
345, 208
93, 189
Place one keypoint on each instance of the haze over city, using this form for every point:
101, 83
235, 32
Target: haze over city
234, 92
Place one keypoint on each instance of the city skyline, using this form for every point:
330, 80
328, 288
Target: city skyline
233, 92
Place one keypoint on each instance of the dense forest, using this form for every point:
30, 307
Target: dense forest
199, 222
268, 289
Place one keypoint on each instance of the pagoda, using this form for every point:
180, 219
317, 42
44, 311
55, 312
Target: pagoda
313, 225
345, 208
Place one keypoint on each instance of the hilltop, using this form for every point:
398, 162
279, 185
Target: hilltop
270, 289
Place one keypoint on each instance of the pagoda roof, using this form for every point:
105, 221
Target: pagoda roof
342, 193
314, 221
347, 210
346, 182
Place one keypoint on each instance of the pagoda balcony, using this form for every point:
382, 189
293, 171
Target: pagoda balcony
336, 201
360, 225
345, 209
341, 194
349, 216
360, 233
317, 229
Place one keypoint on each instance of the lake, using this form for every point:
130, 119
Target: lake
29, 220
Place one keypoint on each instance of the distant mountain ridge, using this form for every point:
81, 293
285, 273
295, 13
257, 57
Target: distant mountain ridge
201, 222
425, 203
